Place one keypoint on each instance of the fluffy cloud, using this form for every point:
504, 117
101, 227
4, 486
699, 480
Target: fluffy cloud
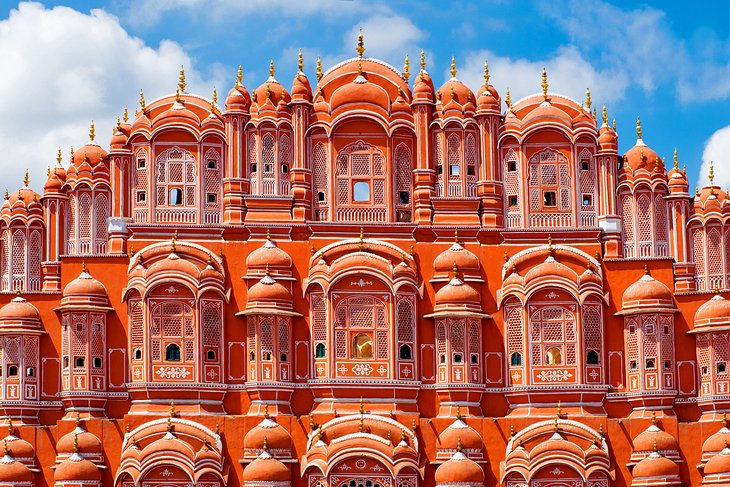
62, 68
388, 37
717, 150
568, 73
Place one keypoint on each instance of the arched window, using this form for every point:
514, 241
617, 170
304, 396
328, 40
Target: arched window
360, 191
362, 346
515, 359
176, 197
554, 357
319, 350
320, 180
549, 184
172, 352
592, 357
403, 183
405, 352
176, 187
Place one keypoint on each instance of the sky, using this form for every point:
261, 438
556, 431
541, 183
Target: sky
66, 63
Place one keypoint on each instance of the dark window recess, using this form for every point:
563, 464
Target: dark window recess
587, 200
141, 163
513, 200
142, 196
13, 371
584, 165
515, 359
96, 362
405, 352
549, 198
470, 171
211, 197
79, 362
210, 355
320, 196
592, 357
282, 357
441, 169
172, 353
404, 197
320, 350
212, 164
176, 196
254, 168
284, 168
511, 166
138, 354
252, 357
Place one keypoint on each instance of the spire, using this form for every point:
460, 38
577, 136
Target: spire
59, 156
508, 101
77, 420
141, 100
456, 270
272, 69
604, 116
407, 69
676, 159
638, 127
92, 132
588, 99
459, 445
119, 123
362, 406
653, 418
550, 244
319, 68
26, 179
300, 63
544, 84
76, 442
177, 95
456, 235
266, 411
361, 244
559, 409
423, 60
172, 409
213, 100
239, 76
265, 446
655, 447
453, 67
458, 411
486, 74
181, 79
712, 172
10, 426
125, 116
360, 45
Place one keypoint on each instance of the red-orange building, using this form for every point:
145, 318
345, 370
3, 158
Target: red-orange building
368, 283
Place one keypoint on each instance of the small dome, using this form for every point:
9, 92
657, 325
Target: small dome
88, 443
18, 448
457, 292
23, 196
75, 468
266, 469
550, 269
268, 289
269, 255
18, 309
178, 112
654, 466
206, 454
119, 139
301, 89
12, 471
423, 90
459, 470
719, 464
238, 98
678, 180
91, 153
647, 439
488, 98
360, 91
556, 443
459, 431
714, 312
84, 285
455, 91
547, 111
54, 182
278, 439
271, 92
648, 292
717, 442
641, 156
607, 138
465, 260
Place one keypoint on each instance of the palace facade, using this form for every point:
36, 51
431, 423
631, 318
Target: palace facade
372, 282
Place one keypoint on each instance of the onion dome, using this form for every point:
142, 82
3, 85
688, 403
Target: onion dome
720, 463
81, 441
487, 96
90, 154
269, 95
711, 199
119, 137
589, 276
459, 470
238, 98
647, 293
655, 466
460, 433
454, 94
550, 269
12, 471
271, 256
641, 156
206, 454
301, 90
213, 120
400, 105
84, 291
457, 295
278, 440
607, 138
54, 183
76, 468
266, 469
677, 178
17, 447
423, 90
556, 443
269, 294
19, 313
177, 113
713, 313
718, 441
655, 439
466, 261
23, 203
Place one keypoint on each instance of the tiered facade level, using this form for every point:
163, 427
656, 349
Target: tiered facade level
372, 283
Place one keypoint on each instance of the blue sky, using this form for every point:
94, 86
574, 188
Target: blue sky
77, 60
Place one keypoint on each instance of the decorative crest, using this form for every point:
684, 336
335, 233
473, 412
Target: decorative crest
239, 76
455, 268
125, 115
360, 45
177, 95
638, 128
272, 69
26, 179
77, 420
653, 418
92, 132
588, 98
712, 172
559, 409
508, 101
10, 426
300, 63
59, 156
456, 235
266, 407
676, 159
361, 244
142, 103
172, 409
544, 84
459, 445
407, 69
181, 80
458, 411
362, 406
319, 68
604, 116
486, 74
550, 244
453, 67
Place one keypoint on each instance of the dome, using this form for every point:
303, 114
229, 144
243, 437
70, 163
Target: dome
719, 464
238, 98
717, 442
457, 292
360, 91
655, 465
268, 289
607, 138
556, 443
465, 260
423, 90
714, 312
206, 454
54, 182
301, 90
84, 285
75, 468
647, 439
545, 111
18, 309
12, 471
648, 292
641, 156
551, 269
455, 94
19, 448
457, 432
488, 98
87, 443
459, 470
278, 439
119, 139
271, 91
269, 255
91, 153
178, 112
266, 469
24, 197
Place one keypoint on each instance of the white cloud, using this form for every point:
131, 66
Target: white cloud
568, 74
62, 68
388, 37
717, 150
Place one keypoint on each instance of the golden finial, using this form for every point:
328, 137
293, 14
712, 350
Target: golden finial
544, 84
239, 76
311, 421
360, 45
600, 430
459, 445
407, 69
92, 132
173, 246
181, 79
638, 127
655, 447
119, 124
5, 447
83, 266
7, 195
614, 125
10, 426
59, 156
172, 409
76, 442
300, 64
359, 66
458, 411
508, 101
26, 179
77, 421
512, 431
266, 272
646, 271
453, 67
266, 411
712, 173
413, 424
588, 98
169, 425
215, 96
724, 419
453, 94
455, 269
48, 171
550, 244
604, 116
319, 68
676, 159
555, 424
456, 235
362, 406
217, 428
559, 409
423, 60
362, 424
361, 244
653, 418
486, 74
142, 103
272, 69
125, 116
177, 95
